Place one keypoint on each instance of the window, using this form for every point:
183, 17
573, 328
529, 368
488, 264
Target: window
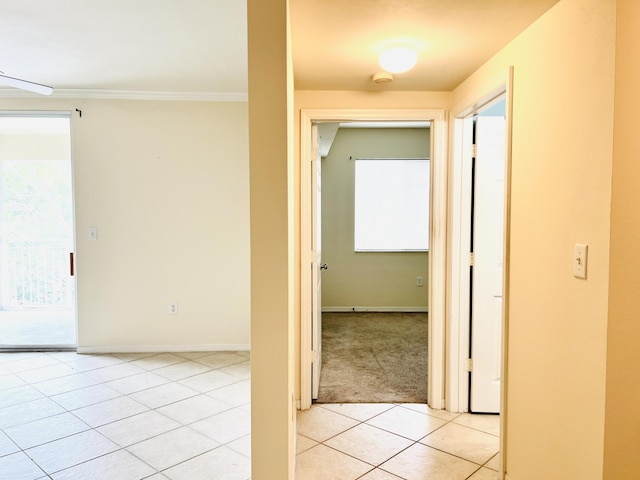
392, 204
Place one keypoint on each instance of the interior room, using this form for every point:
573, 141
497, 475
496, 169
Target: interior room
374, 303
188, 126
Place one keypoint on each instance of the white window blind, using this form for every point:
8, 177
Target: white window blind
392, 204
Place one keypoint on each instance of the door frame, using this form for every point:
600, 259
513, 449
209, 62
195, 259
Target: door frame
438, 237
458, 332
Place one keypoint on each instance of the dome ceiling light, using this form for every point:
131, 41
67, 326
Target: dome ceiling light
398, 58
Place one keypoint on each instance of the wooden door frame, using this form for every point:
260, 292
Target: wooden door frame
438, 237
458, 334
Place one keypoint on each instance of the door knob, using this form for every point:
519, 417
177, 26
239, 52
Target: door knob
324, 266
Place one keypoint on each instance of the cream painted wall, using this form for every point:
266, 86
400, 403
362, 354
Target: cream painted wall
272, 232
314, 99
622, 415
366, 279
561, 190
166, 184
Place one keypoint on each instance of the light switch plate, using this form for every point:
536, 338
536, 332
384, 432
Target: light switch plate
93, 233
580, 260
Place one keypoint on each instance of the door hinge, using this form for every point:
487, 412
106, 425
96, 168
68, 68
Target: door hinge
472, 259
468, 365
474, 150
314, 356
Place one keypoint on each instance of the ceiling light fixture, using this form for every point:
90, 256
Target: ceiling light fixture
398, 58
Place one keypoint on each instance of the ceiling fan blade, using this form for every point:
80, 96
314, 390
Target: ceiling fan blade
25, 85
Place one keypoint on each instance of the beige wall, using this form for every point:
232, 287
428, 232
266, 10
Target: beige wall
622, 415
166, 184
561, 190
366, 279
272, 251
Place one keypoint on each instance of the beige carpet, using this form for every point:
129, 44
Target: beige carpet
373, 358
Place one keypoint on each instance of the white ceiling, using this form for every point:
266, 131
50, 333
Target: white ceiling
199, 46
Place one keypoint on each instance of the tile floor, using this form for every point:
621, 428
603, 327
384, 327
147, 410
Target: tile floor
394, 442
65, 416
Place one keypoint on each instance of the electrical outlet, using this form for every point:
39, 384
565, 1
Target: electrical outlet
173, 308
419, 282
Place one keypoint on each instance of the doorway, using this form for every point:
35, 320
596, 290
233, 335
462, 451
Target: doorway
37, 287
374, 230
310, 348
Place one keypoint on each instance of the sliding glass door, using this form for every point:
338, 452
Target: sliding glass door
37, 289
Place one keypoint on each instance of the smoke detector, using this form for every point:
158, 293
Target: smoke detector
382, 77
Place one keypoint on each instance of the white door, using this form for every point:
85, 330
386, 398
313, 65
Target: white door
316, 263
487, 248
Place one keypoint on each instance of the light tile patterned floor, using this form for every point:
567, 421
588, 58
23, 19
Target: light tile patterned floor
395, 442
65, 416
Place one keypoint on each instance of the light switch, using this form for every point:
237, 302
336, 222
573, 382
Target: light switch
93, 233
580, 260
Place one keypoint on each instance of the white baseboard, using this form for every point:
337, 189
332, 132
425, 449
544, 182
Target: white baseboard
165, 348
375, 309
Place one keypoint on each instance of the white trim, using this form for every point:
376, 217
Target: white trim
132, 95
230, 347
437, 258
375, 309
458, 300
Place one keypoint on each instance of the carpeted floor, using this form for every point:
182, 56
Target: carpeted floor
373, 358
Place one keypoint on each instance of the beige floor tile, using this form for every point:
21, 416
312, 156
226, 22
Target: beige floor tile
378, 474
182, 370
193, 409
369, 444
464, 442
320, 424
424, 408
137, 383
120, 465
485, 474
28, 412
407, 423
69, 451
158, 361
420, 462
241, 445
109, 411
208, 381
324, 463
235, 394
226, 426
221, 463
164, 395
485, 423
18, 465
494, 463
138, 428
358, 411
172, 448
84, 397
303, 444
221, 359
241, 371
66, 384
46, 430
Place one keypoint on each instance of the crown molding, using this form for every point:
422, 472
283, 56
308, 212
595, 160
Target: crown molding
132, 95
